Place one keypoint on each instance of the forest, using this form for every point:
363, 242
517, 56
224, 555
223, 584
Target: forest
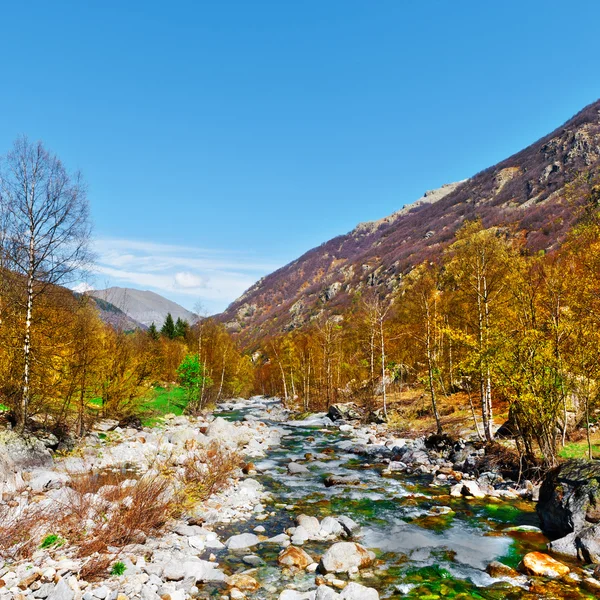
489, 328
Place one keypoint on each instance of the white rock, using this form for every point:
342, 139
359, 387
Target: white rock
355, 591
242, 541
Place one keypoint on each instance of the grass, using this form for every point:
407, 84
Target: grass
118, 569
164, 401
580, 449
51, 540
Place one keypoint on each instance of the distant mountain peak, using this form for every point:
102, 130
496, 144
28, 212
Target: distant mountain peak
144, 306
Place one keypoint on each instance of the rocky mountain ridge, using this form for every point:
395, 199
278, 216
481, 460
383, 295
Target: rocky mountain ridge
143, 306
538, 192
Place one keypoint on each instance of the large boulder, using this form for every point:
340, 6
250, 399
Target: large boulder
569, 510
570, 498
344, 556
20, 453
347, 411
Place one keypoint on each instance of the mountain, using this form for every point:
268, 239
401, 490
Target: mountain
143, 307
540, 192
115, 317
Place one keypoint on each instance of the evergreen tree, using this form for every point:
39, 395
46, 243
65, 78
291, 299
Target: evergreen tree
181, 328
153, 332
168, 328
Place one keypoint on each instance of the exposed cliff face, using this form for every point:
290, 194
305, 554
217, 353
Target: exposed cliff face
530, 191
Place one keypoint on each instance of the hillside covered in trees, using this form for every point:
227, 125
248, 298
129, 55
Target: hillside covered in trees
538, 194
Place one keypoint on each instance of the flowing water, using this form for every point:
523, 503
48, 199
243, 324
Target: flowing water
428, 544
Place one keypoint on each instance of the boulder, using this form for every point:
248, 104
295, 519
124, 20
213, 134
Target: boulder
242, 541
347, 411
330, 525
332, 480
311, 524
344, 556
350, 527
297, 469
295, 557
570, 498
296, 595
243, 582
542, 565
62, 591
326, 593
355, 591
498, 569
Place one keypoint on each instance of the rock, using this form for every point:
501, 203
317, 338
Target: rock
243, 582
569, 498
324, 592
300, 536
355, 591
592, 585
332, 480
282, 538
350, 527
253, 560
589, 544
342, 556
297, 469
348, 411
311, 524
294, 557
236, 594
295, 595
242, 541
19, 453
467, 488
566, 546
329, 525
542, 565
173, 571
498, 569
62, 591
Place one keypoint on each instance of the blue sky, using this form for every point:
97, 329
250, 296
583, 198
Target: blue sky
220, 140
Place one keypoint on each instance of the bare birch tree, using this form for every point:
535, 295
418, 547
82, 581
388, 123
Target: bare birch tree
47, 232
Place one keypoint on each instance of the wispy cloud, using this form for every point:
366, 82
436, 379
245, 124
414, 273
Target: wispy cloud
185, 274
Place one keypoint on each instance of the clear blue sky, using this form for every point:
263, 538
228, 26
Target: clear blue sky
223, 139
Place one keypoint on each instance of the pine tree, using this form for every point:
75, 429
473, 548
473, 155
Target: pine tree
153, 332
168, 328
181, 328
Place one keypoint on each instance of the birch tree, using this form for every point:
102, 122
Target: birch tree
47, 233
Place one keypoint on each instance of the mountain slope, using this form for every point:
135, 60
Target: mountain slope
145, 307
539, 191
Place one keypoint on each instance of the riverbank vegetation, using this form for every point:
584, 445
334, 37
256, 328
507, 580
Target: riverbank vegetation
489, 333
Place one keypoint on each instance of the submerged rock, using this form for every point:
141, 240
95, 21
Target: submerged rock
332, 480
344, 556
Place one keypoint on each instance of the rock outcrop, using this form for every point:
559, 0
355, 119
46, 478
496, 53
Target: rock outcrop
569, 509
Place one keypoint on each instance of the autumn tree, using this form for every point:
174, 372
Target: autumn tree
419, 308
478, 266
46, 234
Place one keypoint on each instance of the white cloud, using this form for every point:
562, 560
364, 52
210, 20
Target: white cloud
185, 274
82, 287
184, 279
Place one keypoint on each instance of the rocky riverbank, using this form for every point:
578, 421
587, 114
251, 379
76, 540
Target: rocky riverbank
322, 509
